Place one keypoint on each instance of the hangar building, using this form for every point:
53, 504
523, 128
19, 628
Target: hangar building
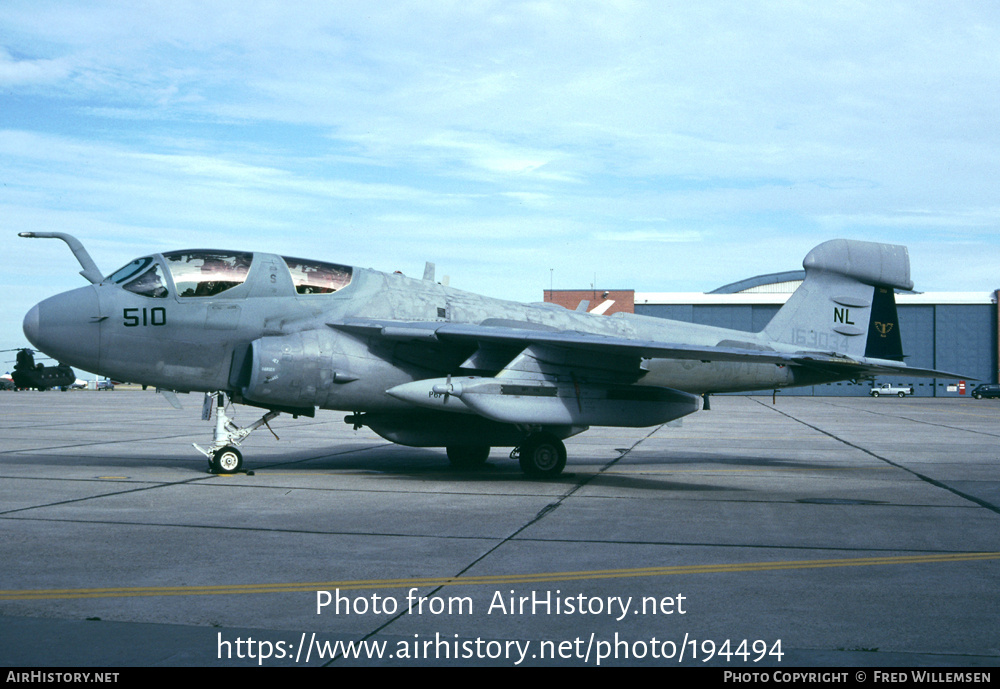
948, 331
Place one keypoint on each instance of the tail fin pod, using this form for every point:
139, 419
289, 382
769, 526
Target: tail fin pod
846, 303
883, 331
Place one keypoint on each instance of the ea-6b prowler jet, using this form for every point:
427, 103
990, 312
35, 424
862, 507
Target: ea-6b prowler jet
425, 365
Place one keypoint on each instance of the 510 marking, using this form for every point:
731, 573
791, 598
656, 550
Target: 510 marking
154, 316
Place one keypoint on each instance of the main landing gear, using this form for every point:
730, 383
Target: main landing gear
541, 455
223, 457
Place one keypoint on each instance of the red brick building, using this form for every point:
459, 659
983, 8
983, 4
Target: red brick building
621, 299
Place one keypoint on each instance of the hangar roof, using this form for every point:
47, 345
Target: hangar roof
772, 283
782, 297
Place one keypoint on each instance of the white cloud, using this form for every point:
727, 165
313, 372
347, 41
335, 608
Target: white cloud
515, 137
30, 72
650, 236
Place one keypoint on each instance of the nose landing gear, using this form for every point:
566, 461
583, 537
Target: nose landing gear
223, 457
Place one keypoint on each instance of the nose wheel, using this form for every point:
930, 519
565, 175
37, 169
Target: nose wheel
228, 460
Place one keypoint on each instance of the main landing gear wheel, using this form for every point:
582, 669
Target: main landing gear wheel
468, 456
228, 460
542, 455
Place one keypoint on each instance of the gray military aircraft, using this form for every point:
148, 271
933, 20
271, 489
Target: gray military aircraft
426, 365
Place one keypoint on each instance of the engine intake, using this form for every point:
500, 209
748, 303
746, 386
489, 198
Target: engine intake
297, 370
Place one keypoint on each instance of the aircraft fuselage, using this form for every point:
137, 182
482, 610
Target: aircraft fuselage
207, 342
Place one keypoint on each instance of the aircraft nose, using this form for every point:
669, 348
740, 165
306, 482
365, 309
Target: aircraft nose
67, 328
31, 325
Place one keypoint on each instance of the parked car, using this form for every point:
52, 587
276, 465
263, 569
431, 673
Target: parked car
105, 385
889, 389
986, 390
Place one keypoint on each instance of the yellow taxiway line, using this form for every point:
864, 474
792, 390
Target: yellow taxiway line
502, 579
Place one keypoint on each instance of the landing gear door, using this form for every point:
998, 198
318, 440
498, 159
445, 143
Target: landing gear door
239, 370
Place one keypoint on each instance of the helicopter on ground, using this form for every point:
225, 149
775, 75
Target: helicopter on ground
29, 375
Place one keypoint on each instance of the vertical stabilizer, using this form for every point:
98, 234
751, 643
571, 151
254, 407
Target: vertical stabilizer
846, 303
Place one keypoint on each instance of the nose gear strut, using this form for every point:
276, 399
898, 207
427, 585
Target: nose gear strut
223, 457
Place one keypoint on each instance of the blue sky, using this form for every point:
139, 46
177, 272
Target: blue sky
659, 146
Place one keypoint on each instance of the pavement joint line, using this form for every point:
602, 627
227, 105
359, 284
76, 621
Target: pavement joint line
166, 484
253, 529
490, 580
920, 421
78, 443
548, 509
923, 477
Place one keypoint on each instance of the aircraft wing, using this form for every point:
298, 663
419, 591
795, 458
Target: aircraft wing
867, 367
523, 337
569, 339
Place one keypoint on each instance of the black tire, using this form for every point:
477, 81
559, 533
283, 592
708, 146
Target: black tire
874, 393
902, 394
228, 460
468, 456
977, 396
542, 455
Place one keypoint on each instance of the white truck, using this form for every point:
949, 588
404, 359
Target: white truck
889, 389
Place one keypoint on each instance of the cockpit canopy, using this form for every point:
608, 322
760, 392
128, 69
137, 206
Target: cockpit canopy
205, 273
316, 277
142, 276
